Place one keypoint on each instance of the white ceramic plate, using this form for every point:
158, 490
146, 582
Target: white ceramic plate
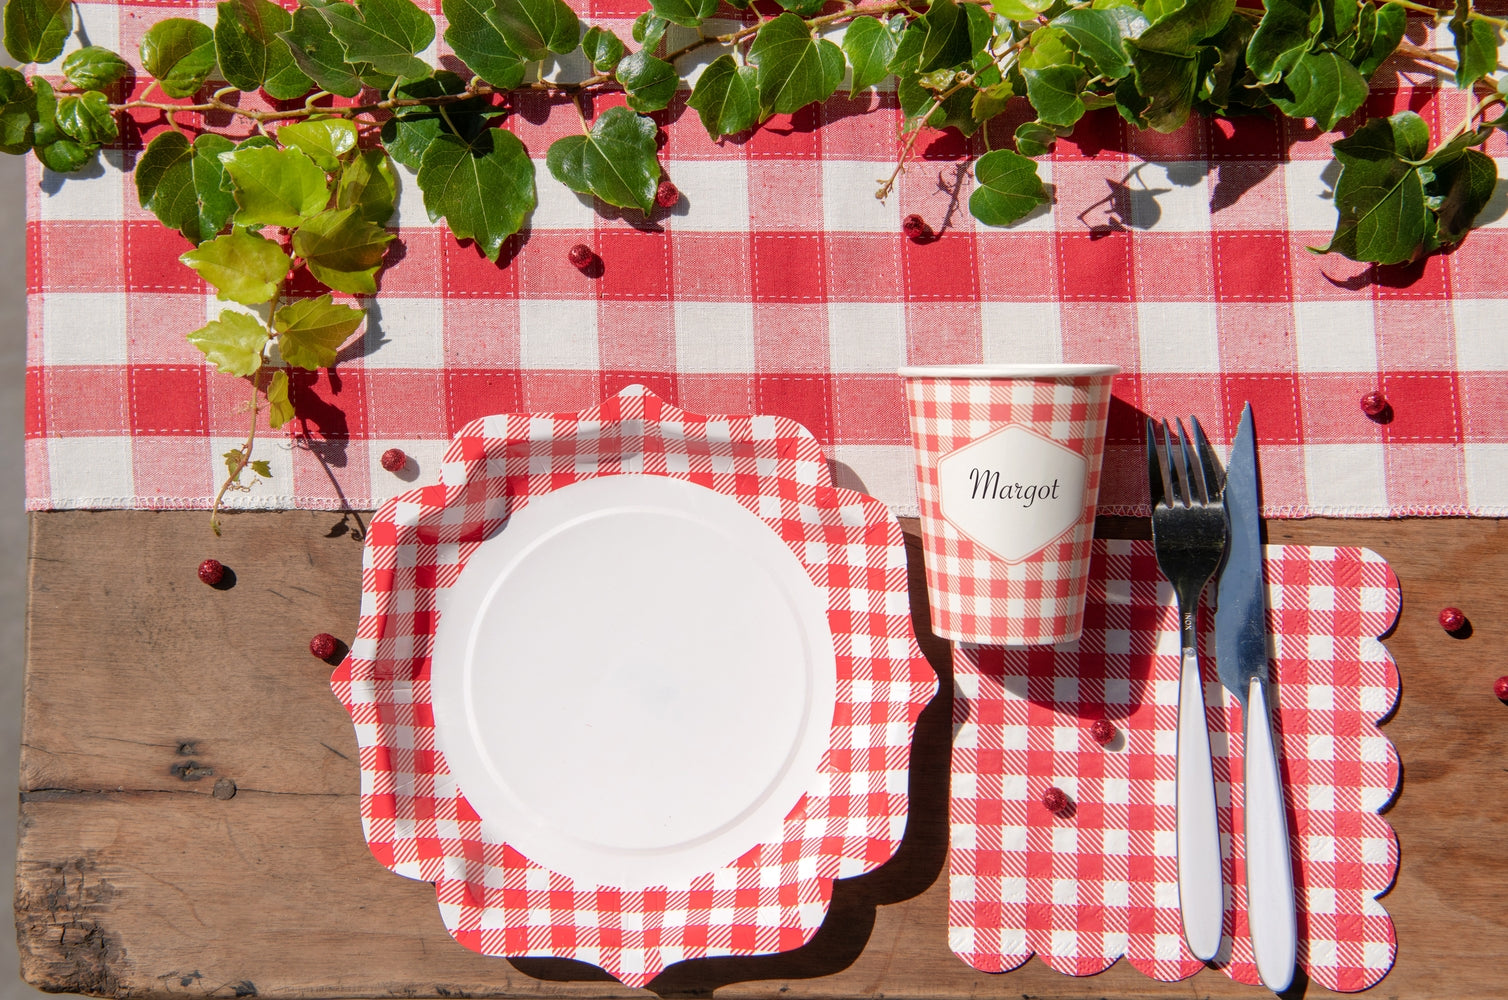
633, 681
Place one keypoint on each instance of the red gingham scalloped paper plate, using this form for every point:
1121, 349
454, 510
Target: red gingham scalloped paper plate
773, 897
1082, 889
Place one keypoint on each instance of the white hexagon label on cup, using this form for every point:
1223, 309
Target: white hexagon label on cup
1013, 491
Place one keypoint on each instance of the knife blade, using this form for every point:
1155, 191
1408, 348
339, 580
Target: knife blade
1241, 656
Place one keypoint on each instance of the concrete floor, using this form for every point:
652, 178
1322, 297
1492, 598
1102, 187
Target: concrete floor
12, 526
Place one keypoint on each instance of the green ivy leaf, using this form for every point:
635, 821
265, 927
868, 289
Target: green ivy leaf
261, 466
1465, 185
36, 30
243, 267
233, 343
870, 44
251, 54
185, 185
1285, 32
990, 101
1392, 20
1476, 45
318, 52
535, 28
385, 33
180, 54
484, 188
1229, 45
1379, 194
953, 34
1008, 188
1054, 93
1168, 83
1340, 17
1324, 87
603, 48
1180, 31
233, 466
280, 408
649, 29
689, 13
726, 96
1020, 10
1165, 61
804, 8
1101, 35
795, 69
410, 131
18, 112
650, 83
93, 68
86, 118
366, 184
57, 150
326, 141
1048, 46
310, 331
615, 160
343, 250
479, 43
275, 187
1034, 138
917, 100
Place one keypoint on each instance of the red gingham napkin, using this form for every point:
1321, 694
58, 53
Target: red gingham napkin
773, 898
1083, 889
780, 285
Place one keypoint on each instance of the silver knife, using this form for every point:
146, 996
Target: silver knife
1241, 654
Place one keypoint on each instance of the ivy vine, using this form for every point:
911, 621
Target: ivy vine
311, 188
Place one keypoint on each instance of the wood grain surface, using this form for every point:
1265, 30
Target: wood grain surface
189, 790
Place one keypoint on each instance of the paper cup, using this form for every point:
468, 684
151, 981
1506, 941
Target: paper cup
1008, 471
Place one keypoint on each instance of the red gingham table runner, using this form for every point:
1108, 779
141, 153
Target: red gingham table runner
1081, 890
780, 285
772, 898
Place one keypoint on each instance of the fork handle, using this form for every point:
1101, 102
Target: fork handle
1201, 885
1269, 868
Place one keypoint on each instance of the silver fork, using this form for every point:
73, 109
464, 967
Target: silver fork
1189, 535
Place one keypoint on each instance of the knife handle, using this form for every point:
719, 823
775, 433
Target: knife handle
1201, 885
1269, 867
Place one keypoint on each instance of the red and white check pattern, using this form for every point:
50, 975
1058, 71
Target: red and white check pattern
972, 591
1083, 889
779, 285
773, 898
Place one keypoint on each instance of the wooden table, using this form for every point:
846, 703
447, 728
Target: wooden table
189, 790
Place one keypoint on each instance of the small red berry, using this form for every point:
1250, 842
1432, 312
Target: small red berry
916, 227
667, 195
581, 256
211, 572
1103, 732
1374, 404
394, 459
1452, 619
322, 646
1054, 800
1500, 688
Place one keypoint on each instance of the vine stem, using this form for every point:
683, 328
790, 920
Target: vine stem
251, 433
245, 459
1437, 13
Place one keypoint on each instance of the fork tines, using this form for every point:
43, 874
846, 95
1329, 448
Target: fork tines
1199, 482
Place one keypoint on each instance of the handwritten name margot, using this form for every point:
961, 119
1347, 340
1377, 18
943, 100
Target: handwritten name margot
987, 484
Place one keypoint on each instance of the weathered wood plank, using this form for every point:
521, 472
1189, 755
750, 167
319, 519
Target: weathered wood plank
134, 879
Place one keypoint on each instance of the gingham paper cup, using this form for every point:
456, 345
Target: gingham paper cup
1008, 471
